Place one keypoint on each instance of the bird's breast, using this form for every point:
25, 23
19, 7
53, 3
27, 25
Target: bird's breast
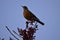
27, 15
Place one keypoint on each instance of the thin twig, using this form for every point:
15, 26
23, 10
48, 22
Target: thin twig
10, 38
11, 33
16, 33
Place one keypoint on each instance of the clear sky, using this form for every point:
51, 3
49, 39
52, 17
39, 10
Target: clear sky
48, 11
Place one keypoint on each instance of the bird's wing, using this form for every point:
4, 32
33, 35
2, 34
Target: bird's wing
33, 16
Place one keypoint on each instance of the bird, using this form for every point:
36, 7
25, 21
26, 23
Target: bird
30, 16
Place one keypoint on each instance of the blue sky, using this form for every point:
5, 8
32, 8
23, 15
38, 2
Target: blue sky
48, 11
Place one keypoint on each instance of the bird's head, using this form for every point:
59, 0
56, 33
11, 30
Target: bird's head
24, 7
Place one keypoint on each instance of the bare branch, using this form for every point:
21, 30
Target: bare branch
16, 33
11, 33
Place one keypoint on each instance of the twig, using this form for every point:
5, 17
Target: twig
10, 38
11, 33
16, 33
2, 38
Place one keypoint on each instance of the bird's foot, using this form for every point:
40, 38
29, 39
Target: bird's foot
27, 24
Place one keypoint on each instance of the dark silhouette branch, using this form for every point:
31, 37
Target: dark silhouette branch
12, 33
16, 33
10, 38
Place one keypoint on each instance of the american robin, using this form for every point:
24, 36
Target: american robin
30, 16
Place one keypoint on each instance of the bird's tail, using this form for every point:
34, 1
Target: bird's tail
40, 22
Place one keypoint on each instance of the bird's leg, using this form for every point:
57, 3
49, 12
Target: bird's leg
36, 26
27, 24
